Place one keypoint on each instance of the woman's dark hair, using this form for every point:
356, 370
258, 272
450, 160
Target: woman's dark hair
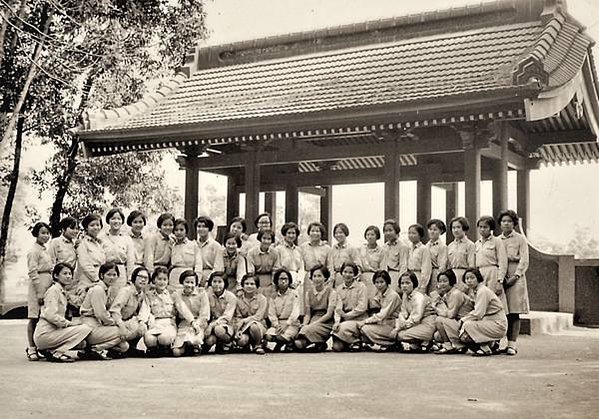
35, 231
277, 276
107, 267
450, 275
218, 274
375, 230
351, 265
475, 272
207, 221
136, 272
163, 217
382, 274
487, 219
319, 226
463, 222
250, 276
436, 222
231, 235
183, 222
241, 221
68, 222
113, 211
186, 274
393, 224
58, 268
508, 213
419, 229
412, 277
135, 214
325, 271
264, 214
343, 228
290, 226
268, 232
88, 219
157, 271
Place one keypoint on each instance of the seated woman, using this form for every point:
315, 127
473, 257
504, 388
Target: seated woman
352, 303
415, 325
250, 315
283, 311
130, 309
94, 312
54, 335
220, 330
452, 306
319, 308
164, 308
379, 328
487, 323
190, 336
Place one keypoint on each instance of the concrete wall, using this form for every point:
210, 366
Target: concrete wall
586, 312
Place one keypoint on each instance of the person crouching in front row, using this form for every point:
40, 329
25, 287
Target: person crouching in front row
250, 315
352, 304
220, 330
190, 336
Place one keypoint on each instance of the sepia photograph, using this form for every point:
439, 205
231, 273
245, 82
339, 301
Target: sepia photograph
291, 209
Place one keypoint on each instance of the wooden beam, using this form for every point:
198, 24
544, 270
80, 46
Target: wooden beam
191, 191
291, 203
514, 160
472, 176
232, 199
500, 173
326, 211
452, 200
270, 206
391, 179
252, 188
312, 190
423, 200
523, 197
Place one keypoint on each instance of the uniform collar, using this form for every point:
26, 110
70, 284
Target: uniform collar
417, 245
139, 236
340, 246
433, 243
352, 285
93, 239
64, 239
182, 241
320, 243
43, 246
503, 236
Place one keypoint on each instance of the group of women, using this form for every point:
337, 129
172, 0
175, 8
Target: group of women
121, 292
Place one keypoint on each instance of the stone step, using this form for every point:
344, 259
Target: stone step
545, 322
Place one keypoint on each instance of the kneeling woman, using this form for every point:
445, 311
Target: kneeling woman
105, 333
485, 324
54, 334
250, 315
220, 331
283, 311
191, 335
352, 303
164, 308
319, 307
379, 328
415, 325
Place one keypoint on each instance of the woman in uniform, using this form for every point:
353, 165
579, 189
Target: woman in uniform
419, 257
371, 259
438, 251
490, 257
210, 251
341, 253
352, 305
220, 330
460, 252
185, 255
159, 245
395, 253
136, 220
283, 311
119, 249
263, 260
90, 256
190, 336
234, 263
250, 316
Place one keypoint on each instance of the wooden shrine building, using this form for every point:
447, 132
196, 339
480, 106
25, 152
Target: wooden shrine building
464, 94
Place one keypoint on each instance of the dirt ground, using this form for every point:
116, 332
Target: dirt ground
552, 376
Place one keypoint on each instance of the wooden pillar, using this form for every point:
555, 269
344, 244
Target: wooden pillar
472, 179
423, 199
500, 170
270, 206
191, 191
451, 208
392, 176
252, 190
232, 199
523, 193
326, 211
291, 203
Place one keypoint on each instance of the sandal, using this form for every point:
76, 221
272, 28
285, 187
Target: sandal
259, 350
483, 351
511, 351
32, 354
62, 358
446, 351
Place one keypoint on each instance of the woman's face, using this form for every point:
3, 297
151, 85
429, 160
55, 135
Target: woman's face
340, 235
137, 225
65, 276
457, 230
249, 286
434, 232
161, 282
370, 237
115, 222
413, 235
380, 284
218, 285
93, 228
43, 236
406, 285
265, 242
470, 280
284, 281
348, 275
71, 233
202, 230
484, 230
443, 284
315, 234
389, 233
231, 246
167, 227
180, 232
291, 235
236, 228
189, 283
141, 280
110, 276
318, 278
507, 225
264, 223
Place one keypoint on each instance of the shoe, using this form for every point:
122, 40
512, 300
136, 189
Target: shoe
484, 350
114, 354
62, 358
32, 354
259, 350
445, 351
511, 351
97, 356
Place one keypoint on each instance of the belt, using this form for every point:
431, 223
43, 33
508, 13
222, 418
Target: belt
392, 270
158, 318
319, 312
161, 264
415, 270
488, 266
459, 267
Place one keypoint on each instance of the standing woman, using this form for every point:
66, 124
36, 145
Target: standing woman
262, 222
137, 221
516, 291
191, 335
291, 257
90, 256
250, 316
415, 325
39, 265
371, 259
487, 323
419, 257
238, 226
62, 249
263, 261
283, 311
315, 252
319, 311
352, 306
438, 251
159, 245
379, 328
55, 334
119, 249
235, 265
220, 330
164, 308
185, 254
490, 257
460, 252
210, 251
395, 260
341, 253
105, 333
